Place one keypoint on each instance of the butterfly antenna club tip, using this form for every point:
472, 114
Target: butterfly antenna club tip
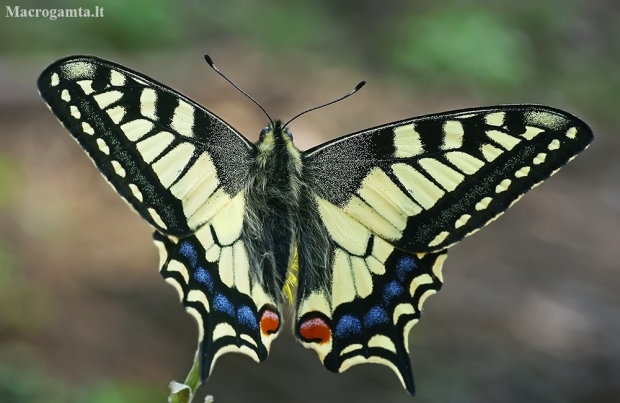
353, 91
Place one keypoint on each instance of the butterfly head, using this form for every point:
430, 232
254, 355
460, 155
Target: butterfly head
274, 136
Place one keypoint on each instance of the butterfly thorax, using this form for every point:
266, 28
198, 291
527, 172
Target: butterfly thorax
272, 202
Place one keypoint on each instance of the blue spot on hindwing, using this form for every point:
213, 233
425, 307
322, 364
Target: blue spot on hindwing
348, 325
391, 290
376, 315
223, 304
187, 249
405, 265
203, 277
246, 317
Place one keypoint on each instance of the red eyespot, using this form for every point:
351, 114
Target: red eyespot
315, 330
269, 322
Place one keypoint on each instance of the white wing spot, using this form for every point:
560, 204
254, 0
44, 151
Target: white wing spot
198, 296
65, 96
402, 309
156, 218
418, 281
117, 79
407, 141
483, 204
495, 118
176, 266
522, 172
438, 266
531, 132
183, 119
88, 129
462, 221
439, 239
382, 341
571, 133
540, 158
118, 168
554, 145
116, 114
87, 86
452, 135
503, 186
136, 192
135, 129
107, 98
103, 147
490, 152
55, 80
222, 330
350, 347
75, 112
148, 98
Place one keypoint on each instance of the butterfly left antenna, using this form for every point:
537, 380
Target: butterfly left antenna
210, 62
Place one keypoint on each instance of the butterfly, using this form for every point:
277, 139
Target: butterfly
353, 232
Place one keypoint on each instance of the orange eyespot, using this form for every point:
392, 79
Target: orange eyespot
315, 330
269, 322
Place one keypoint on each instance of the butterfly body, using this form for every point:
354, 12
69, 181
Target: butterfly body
361, 224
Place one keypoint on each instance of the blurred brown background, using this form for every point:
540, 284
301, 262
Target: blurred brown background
530, 307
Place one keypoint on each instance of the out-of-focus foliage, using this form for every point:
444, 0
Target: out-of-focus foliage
520, 48
471, 45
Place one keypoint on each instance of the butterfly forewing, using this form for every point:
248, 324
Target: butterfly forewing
425, 183
175, 162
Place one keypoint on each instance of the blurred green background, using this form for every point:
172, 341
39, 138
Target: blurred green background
530, 310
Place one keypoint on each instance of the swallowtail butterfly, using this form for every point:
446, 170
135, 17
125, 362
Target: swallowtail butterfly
360, 225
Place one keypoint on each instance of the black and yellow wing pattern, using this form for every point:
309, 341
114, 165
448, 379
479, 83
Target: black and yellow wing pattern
395, 197
365, 219
183, 170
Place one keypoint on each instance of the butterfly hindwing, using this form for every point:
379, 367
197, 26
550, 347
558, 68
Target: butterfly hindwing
211, 272
366, 312
175, 162
425, 183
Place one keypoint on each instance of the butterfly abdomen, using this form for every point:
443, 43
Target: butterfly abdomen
272, 195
